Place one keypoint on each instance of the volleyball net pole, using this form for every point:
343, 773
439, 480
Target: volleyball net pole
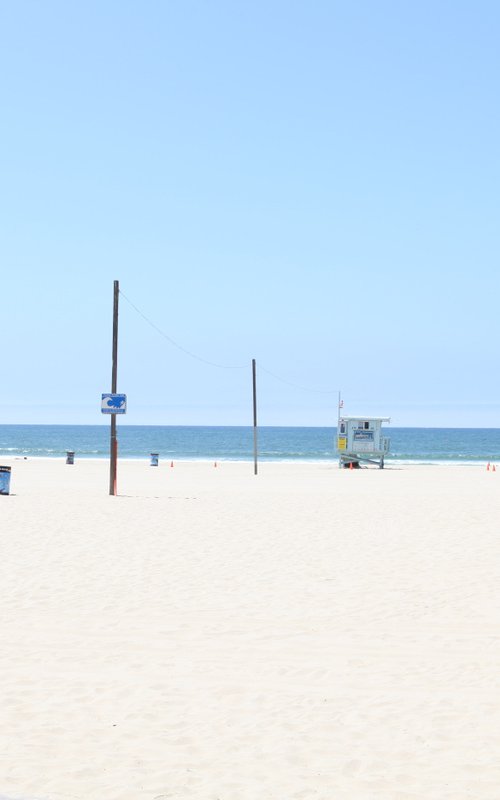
254, 384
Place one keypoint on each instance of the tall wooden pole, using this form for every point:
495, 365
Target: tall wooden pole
254, 382
113, 449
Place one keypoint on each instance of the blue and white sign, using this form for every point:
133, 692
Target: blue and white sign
364, 436
114, 404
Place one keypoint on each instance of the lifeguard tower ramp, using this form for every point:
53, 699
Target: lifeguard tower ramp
362, 440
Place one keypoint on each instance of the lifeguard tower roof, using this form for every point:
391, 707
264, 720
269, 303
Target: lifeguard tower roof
357, 417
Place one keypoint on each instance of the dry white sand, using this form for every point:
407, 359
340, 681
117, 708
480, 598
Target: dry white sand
212, 635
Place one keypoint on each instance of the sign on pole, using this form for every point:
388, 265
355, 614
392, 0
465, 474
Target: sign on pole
114, 404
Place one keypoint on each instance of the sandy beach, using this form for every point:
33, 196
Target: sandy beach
307, 633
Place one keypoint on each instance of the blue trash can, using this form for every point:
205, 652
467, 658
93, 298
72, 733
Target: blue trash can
154, 459
4, 480
70, 456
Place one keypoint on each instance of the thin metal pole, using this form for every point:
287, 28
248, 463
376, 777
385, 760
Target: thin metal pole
113, 449
254, 382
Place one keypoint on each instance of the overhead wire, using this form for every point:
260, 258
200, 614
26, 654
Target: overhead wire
296, 385
213, 363
176, 344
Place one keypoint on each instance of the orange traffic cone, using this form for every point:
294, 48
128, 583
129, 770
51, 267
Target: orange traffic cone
493, 469
171, 463
351, 465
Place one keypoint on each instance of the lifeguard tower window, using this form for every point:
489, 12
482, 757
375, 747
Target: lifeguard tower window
367, 425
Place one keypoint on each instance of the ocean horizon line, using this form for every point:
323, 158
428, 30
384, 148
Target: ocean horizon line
105, 425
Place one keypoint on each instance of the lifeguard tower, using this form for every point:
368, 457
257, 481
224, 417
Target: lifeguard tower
361, 439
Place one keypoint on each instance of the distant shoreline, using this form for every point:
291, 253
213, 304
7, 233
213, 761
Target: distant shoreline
389, 464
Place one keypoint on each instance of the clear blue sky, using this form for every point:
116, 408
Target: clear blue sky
311, 184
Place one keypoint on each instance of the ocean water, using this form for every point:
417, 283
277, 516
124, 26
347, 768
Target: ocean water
408, 445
